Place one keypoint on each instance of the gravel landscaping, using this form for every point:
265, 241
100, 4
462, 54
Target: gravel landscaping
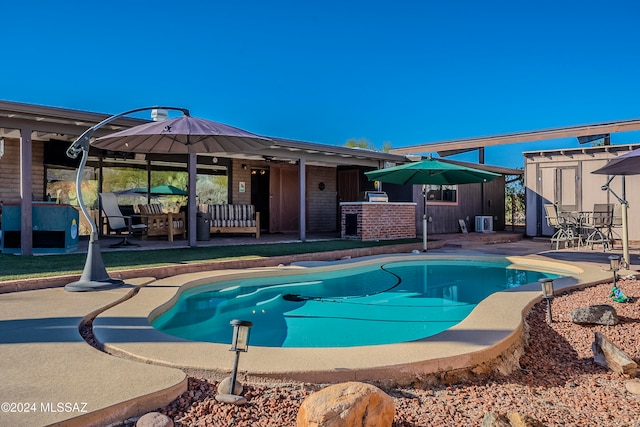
558, 382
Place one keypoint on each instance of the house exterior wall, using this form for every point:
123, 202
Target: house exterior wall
10, 176
237, 175
442, 217
322, 204
547, 180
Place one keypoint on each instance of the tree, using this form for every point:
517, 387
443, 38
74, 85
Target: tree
515, 200
367, 145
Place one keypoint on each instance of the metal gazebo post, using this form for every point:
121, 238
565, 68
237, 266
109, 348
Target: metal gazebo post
94, 275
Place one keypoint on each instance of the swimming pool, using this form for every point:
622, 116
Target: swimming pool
384, 303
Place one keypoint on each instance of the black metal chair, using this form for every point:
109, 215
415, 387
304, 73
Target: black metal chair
117, 221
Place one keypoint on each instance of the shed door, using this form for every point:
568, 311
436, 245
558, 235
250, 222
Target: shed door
567, 188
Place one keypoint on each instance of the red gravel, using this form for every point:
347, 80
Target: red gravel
558, 383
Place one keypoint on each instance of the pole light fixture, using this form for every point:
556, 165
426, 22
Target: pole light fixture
614, 262
616, 293
240, 339
547, 293
239, 343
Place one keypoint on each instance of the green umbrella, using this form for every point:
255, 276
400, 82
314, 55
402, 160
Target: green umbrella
430, 172
167, 190
158, 190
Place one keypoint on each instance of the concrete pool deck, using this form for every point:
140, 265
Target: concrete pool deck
45, 361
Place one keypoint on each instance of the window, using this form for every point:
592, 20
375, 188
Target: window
442, 193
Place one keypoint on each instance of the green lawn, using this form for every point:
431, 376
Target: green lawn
21, 267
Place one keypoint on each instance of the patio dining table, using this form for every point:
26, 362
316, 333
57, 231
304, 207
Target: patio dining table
590, 227
574, 223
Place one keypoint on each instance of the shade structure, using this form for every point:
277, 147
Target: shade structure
430, 172
182, 135
627, 164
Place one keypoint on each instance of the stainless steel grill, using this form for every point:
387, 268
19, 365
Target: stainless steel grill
376, 196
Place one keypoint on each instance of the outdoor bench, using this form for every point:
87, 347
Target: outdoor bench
162, 224
233, 218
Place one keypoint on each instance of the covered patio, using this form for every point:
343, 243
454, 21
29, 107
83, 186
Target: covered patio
296, 184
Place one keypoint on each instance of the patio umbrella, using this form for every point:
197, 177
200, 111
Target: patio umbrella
182, 135
627, 164
166, 190
158, 190
430, 172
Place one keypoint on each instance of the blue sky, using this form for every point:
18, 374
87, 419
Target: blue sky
406, 72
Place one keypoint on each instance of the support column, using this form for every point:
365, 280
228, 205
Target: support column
192, 171
26, 192
302, 186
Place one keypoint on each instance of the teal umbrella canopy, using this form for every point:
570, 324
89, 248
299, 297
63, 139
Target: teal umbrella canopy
166, 190
431, 171
158, 190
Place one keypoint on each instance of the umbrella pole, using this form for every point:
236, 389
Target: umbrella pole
625, 225
94, 275
424, 218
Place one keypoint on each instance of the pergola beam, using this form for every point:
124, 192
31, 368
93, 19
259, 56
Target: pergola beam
449, 147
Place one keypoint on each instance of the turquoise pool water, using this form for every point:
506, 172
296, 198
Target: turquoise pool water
366, 305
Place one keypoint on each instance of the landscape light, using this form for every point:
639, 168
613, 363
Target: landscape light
239, 342
547, 293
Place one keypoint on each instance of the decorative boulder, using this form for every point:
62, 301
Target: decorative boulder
348, 404
608, 355
602, 314
492, 419
225, 387
154, 419
633, 386
512, 419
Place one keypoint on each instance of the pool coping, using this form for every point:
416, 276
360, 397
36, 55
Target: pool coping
475, 345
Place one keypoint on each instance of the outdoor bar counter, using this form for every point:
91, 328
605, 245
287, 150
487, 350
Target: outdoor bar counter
378, 220
55, 228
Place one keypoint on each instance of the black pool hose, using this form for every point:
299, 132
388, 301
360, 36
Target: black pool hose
299, 298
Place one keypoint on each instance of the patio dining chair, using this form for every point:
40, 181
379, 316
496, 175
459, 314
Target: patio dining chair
117, 221
599, 226
565, 232
616, 222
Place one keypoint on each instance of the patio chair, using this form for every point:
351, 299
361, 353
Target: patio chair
118, 222
616, 222
564, 232
599, 225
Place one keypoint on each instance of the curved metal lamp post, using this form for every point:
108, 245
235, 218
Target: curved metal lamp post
94, 276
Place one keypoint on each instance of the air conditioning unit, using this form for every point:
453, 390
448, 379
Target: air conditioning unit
484, 224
